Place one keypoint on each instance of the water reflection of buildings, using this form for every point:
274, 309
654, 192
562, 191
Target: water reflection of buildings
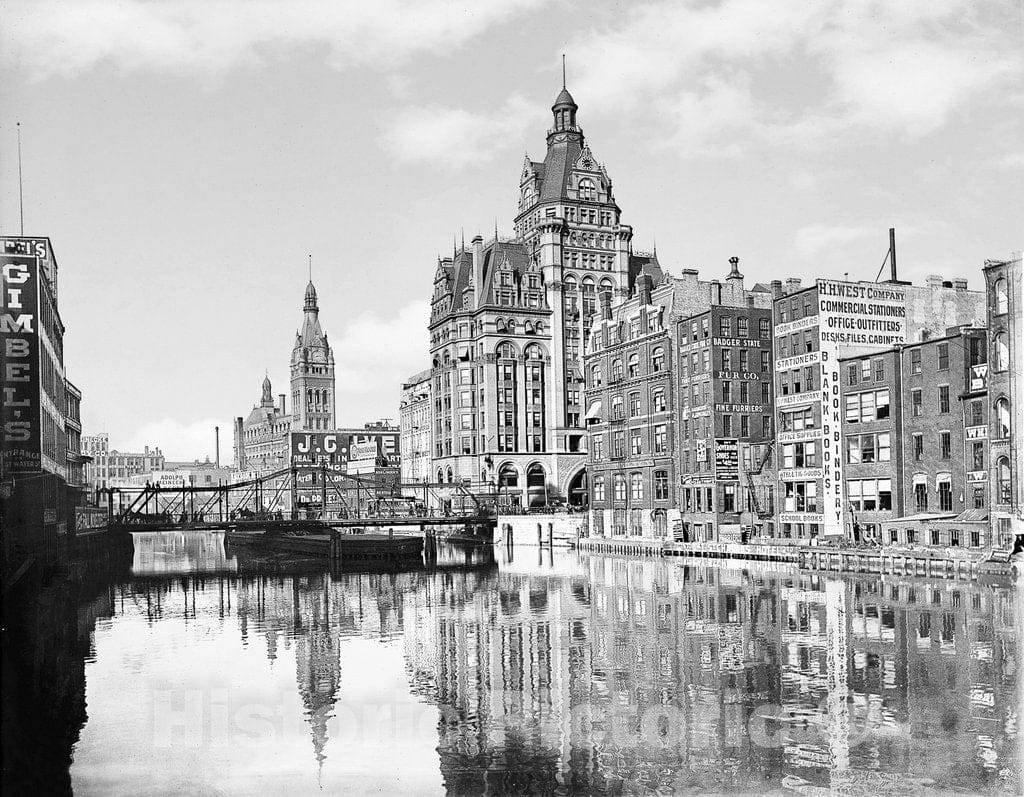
637, 674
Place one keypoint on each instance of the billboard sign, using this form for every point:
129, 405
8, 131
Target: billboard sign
727, 459
20, 409
862, 313
319, 448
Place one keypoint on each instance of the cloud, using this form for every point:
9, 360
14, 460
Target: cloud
180, 440
811, 241
206, 36
373, 355
1014, 160
723, 78
455, 138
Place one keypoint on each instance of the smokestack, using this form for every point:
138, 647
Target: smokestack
280, 398
892, 253
606, 305
216, 437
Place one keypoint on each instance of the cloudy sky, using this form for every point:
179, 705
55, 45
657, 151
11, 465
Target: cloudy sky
186, 158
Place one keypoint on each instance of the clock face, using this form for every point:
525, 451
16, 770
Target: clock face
318, 356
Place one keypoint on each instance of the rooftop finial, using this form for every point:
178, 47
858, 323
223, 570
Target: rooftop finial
311, 268
563, 70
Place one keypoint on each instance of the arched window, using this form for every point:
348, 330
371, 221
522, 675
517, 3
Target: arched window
309, 396
440, 476
620, 487
539, 328
616, 369
587, 189
508, 476
658, 359
1002, 296
658, 400
570, 285
1001, 351
499, 325
634, 365
533, 352
1002, 419
451, 479
1003, 495
447, 358
528, 327
595, 376
606, 285
505, 351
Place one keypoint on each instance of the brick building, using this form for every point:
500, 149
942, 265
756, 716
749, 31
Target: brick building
816, 327
415, 427
724, 414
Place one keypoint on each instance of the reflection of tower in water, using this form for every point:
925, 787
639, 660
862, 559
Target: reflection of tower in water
317, 659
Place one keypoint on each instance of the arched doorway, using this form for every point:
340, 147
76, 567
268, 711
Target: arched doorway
579, 490
536, 485
508, 486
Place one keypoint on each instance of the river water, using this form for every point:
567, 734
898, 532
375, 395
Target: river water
540, 672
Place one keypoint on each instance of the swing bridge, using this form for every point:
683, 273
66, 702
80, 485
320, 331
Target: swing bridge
298, 494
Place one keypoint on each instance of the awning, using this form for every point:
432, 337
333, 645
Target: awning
924, 517
594, 413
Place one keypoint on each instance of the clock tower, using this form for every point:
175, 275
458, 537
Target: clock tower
312, 369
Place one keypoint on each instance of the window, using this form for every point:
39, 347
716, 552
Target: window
726, 391
943, 350
879, 370
1002, 296
921, 492
851, 374
728, 497
598, 489
1000, 351
916, 403
918, 447
764, 328
915, 361
744, 424
766, 361
725, 326
620, 487
726, 359
800, 455
944, 445
1003, 489
977, 455
1002, 419
945, 496
868, 448
658, 400
635, 442
742, 327
869, 495
661, 485
801, 496
595, 376
617, 410
943, 399
660, 438
616, 370
634, 365
636, 486
867, 407
634, 405
587, 189
976, 413
727, 425
658, 360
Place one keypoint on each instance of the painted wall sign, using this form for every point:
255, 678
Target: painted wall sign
20, 410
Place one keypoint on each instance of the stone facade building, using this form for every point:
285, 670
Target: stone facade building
415, 427
107, 466
507, 324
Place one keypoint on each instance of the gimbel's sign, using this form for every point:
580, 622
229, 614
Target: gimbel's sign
20, 419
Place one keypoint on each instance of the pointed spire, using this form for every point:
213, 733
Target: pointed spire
563, 70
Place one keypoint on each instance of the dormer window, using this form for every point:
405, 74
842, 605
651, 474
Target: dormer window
587, 189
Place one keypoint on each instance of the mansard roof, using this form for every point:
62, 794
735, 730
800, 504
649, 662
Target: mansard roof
557, 167
645, 264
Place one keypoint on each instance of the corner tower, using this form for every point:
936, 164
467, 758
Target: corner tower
312, 370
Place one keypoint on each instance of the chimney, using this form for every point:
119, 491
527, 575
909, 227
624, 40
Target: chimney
792, 285
776, 289
216, 443
280, 398
644, 285
734, 269
892, 253
606, 305
960, 284
933, 281
478, 269
716, 292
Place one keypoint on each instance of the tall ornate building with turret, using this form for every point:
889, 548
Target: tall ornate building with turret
261, 438
507, 326
312, 372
